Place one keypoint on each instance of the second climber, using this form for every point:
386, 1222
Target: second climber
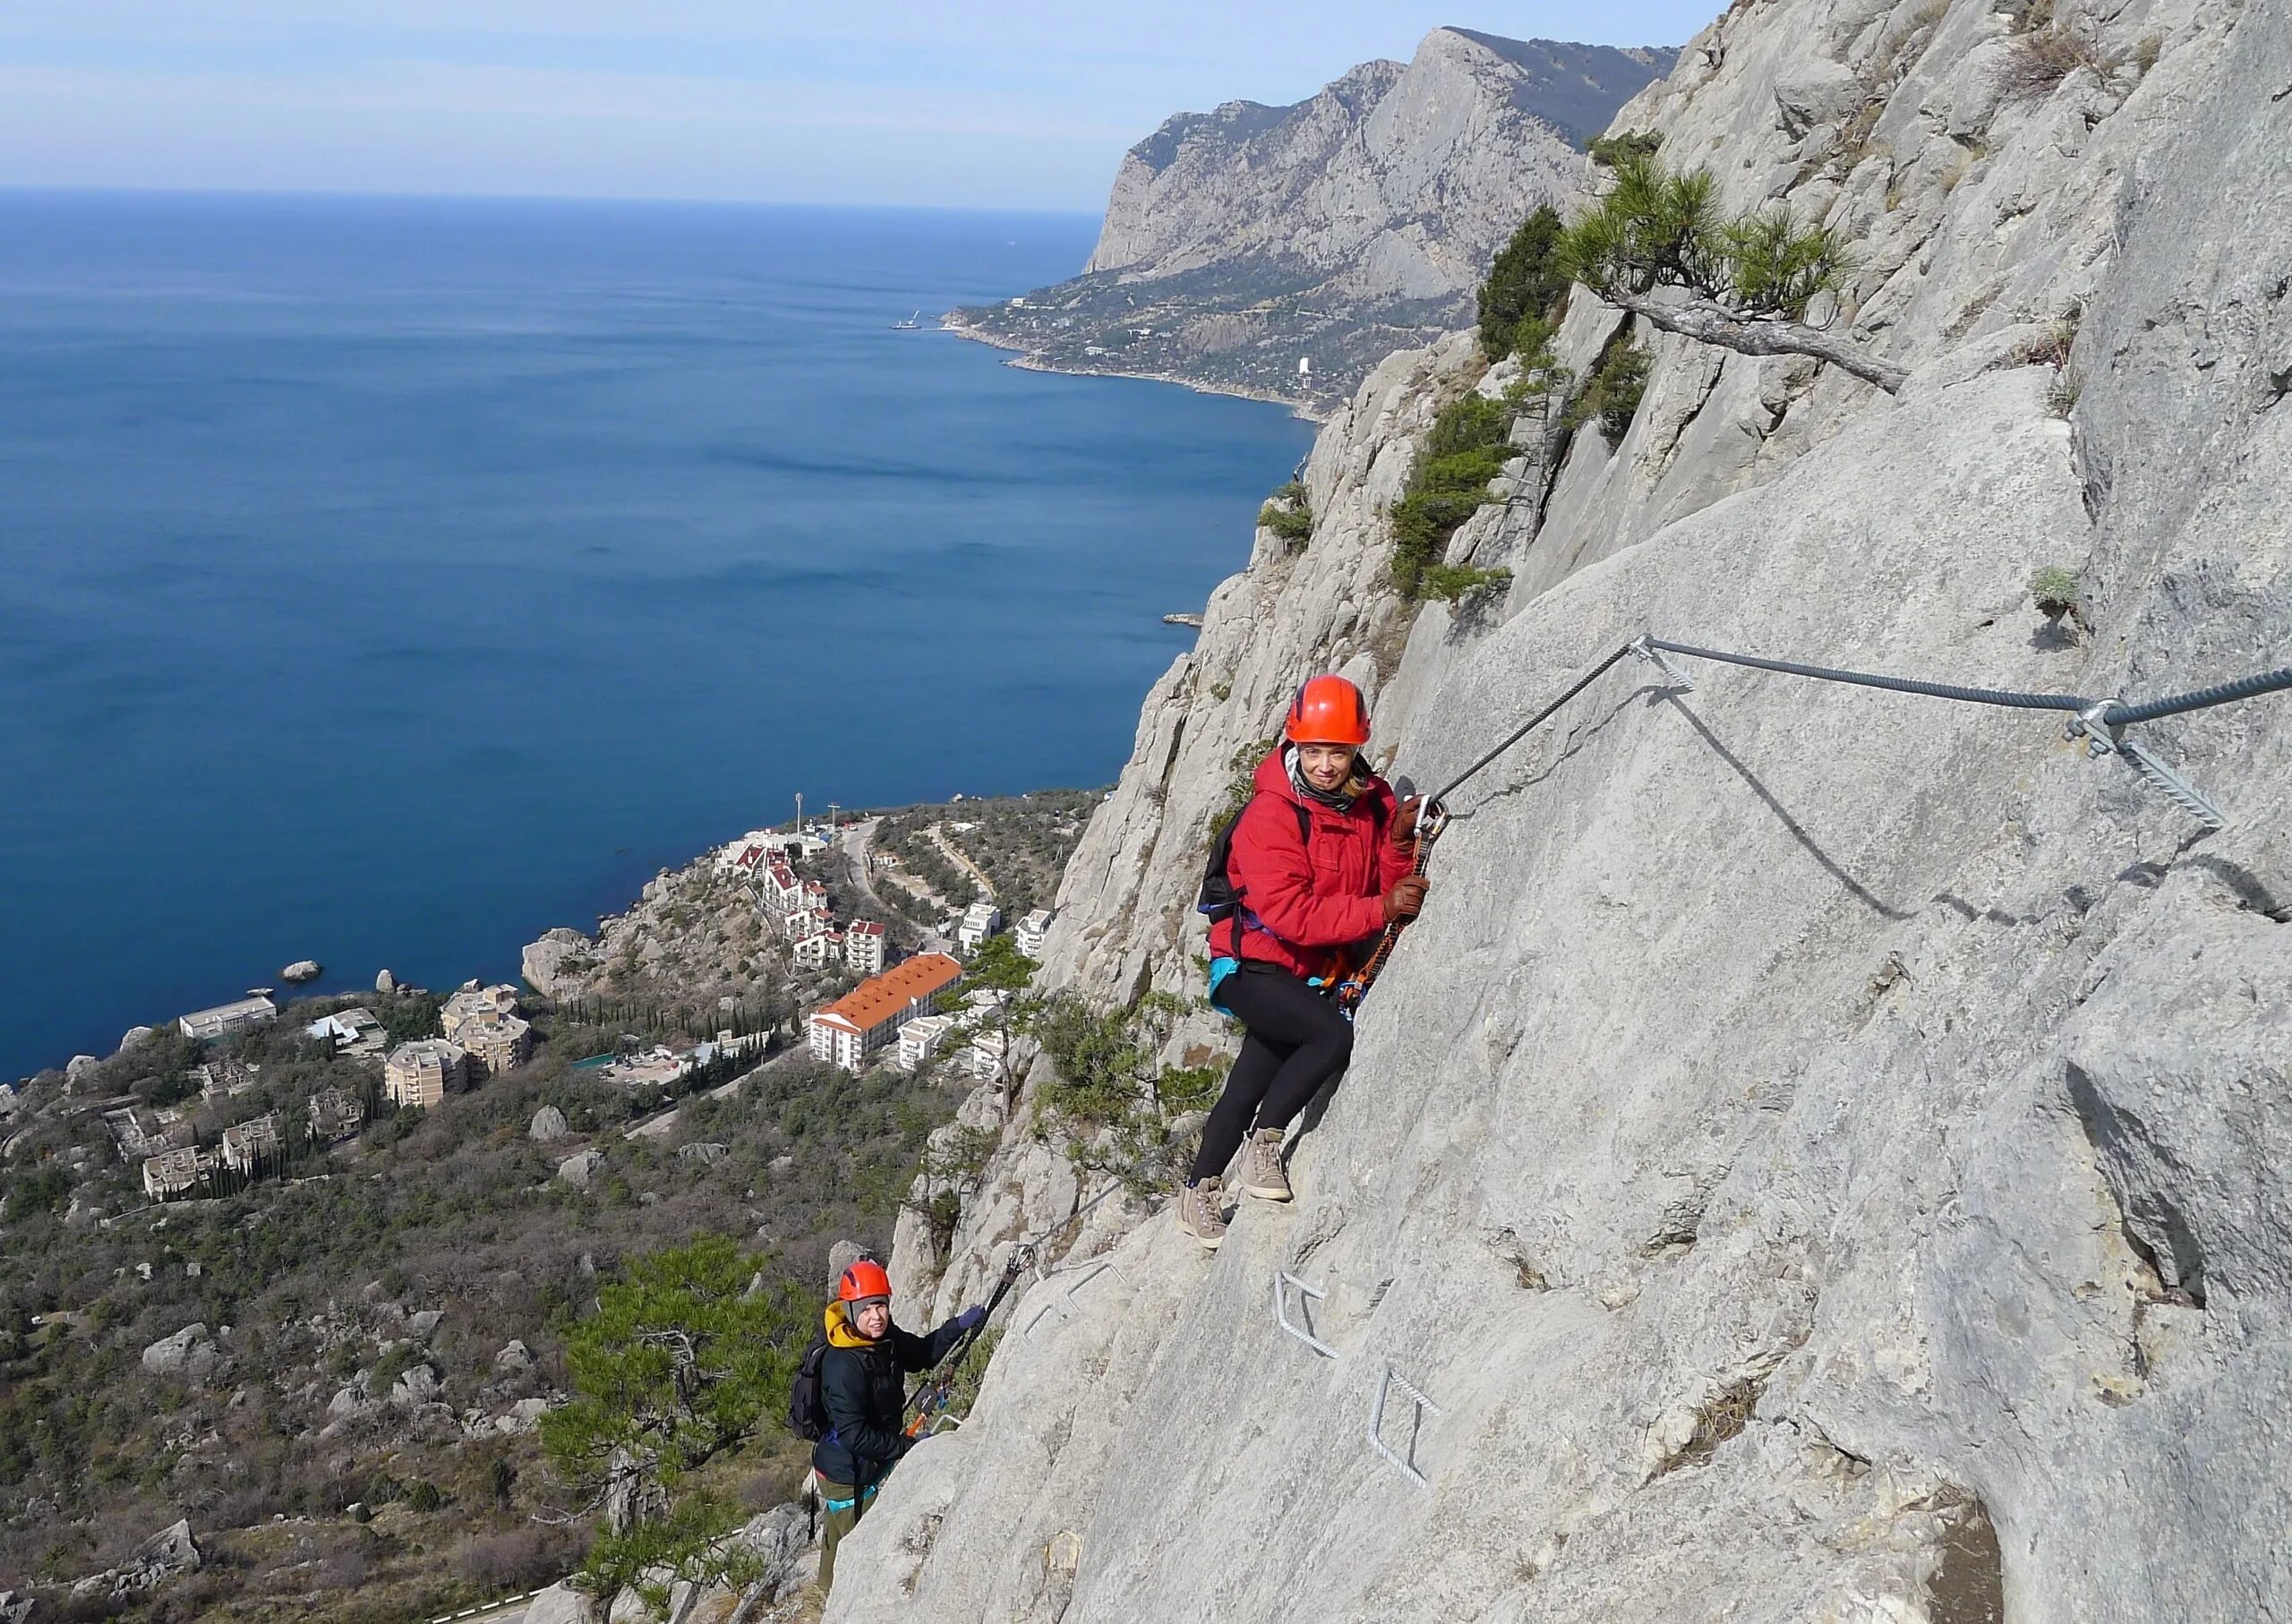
1317, 864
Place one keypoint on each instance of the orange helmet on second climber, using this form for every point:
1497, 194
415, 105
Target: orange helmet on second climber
864, 1279
1328, 709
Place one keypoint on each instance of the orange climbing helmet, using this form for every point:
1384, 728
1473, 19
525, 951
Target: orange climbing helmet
864, 1279
1328, 709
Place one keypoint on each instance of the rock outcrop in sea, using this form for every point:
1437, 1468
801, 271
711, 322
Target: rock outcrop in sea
1823, 1153
1237, 242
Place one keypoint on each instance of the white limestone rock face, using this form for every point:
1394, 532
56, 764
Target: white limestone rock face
560, 1604
1822, 1151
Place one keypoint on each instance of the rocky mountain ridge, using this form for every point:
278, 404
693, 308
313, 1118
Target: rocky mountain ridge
1356, 222
1821, 1154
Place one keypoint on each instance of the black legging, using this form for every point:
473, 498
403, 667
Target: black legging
1297, 1041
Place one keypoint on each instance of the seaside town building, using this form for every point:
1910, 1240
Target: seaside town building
808, 922
221, 1078
173, 1173
845, 1033
980, 920
207, 1025
356, 1033
483, 1022
746, 856
130, 1132
817, 950
983, 1057
424, 1072
138, 1133
863, 947
782, 890
653, 1068
498, 1046
247, 1146
1030, 931
336, 1113
919, 1038
474, 1003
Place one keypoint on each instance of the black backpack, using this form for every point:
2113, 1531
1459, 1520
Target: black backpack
807, 1415
1220, 898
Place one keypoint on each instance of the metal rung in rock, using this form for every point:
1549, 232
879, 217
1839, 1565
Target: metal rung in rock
1281, 1282
1407, 1464
1084, 1273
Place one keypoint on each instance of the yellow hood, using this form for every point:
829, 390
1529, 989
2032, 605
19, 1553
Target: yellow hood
841, 1331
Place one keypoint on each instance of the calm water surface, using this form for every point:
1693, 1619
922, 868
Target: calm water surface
384, 582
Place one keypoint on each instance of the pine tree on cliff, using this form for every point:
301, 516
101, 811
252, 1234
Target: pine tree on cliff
1742, 281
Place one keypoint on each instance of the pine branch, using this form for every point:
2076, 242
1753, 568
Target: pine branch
1708, 321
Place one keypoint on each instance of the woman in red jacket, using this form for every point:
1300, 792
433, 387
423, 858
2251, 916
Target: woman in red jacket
1321, 862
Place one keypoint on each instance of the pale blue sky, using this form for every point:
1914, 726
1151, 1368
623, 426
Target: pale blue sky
1024, 105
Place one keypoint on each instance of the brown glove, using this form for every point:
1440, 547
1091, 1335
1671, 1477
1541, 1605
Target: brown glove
1404, 830
1403, 901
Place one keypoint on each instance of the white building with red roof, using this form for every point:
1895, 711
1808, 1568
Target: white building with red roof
869, 1016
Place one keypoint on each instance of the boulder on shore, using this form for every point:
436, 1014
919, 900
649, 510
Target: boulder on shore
385, 982
543, 960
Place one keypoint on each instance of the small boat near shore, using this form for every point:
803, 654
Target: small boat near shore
909, 325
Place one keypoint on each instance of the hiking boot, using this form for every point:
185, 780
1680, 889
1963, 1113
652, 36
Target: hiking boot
1261, 1173
1201, 1211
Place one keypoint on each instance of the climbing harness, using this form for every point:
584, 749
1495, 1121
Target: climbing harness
864, 1495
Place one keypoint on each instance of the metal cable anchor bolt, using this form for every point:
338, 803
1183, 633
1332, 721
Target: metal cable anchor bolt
1644, 646
2103, 737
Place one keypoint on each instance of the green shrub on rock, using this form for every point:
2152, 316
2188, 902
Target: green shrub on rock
1524, 283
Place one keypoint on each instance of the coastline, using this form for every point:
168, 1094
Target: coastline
1032, 361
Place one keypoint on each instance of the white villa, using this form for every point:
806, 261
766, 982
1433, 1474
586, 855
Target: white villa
980, 920
863, 947
920, 1037
356, 1032
206, 1025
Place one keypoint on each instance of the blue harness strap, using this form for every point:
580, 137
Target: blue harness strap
845, 1505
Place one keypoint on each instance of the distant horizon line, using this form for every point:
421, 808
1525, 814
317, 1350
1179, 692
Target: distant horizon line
384, 195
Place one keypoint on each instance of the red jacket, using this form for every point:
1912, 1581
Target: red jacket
1303, 900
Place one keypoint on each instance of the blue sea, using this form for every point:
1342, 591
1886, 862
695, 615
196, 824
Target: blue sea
383, 582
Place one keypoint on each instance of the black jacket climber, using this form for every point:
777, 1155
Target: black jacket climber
864, 1396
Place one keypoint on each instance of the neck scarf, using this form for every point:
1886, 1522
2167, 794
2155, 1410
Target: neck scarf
1340, 799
